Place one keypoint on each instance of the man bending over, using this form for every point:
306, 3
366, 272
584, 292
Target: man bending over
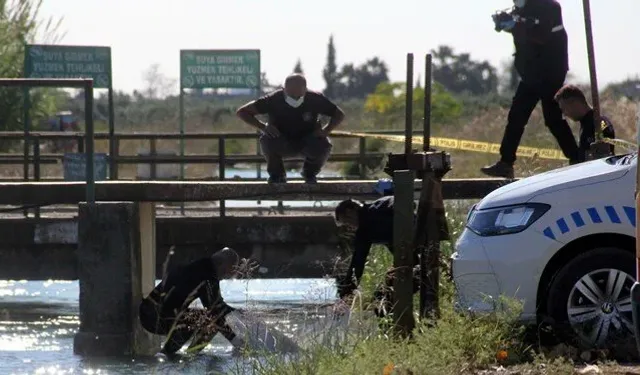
165, 311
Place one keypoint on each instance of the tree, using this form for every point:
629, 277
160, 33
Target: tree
356, 82
460, 74
388, 103
20, 23
157, 85
298, 67
330, 71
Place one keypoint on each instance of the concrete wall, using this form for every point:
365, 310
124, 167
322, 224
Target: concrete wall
303, 246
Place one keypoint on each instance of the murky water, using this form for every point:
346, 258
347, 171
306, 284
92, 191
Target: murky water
38, 320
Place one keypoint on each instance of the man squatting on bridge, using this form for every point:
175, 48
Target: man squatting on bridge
165, 311
293, 127
372, 224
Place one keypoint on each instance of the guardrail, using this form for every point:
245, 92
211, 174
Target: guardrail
34, 140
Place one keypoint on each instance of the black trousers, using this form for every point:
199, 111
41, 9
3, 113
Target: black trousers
199, 325
316, 152
524, 102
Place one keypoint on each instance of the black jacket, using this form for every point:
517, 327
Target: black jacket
184, 284
375, 227
588, 128
542, 48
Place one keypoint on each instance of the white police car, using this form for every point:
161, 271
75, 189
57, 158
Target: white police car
563, 242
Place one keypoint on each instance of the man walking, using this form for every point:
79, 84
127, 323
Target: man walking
542, 62
293, 127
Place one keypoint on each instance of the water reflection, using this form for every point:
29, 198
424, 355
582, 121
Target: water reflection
38, 320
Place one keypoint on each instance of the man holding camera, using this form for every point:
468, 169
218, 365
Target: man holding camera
542, 62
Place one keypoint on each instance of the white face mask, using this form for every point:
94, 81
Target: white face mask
295, 103
519, 3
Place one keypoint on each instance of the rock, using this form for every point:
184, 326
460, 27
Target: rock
590, 369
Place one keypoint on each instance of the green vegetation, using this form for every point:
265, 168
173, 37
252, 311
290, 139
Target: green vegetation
20, 23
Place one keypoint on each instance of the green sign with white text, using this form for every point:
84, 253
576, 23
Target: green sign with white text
203, 69
56, 61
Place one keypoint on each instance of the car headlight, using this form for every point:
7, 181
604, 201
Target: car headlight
505, 220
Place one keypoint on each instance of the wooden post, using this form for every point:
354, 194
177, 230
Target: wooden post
403, 252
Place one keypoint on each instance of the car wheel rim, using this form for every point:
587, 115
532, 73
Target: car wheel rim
599, 306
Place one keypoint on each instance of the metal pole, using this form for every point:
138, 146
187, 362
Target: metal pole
113, 167
88, 111
403, 252
592, 67
181, 116
221, 169
408, 120
426, 127
635, 289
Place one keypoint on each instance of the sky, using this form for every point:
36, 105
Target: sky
145, 32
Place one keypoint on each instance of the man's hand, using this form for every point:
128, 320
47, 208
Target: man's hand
321, 133
270, 131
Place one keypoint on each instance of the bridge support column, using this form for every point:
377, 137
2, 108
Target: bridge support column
116, 267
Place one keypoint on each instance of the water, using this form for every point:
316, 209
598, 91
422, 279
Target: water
38, 320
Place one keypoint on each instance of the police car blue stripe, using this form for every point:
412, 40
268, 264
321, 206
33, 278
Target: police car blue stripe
549, 233
577, 218
631, 214
595, 217
562, 225
613, 215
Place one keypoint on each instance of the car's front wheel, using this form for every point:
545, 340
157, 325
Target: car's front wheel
590, 298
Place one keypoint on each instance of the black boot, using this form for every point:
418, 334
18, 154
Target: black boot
499, 169
277, 180
309, 178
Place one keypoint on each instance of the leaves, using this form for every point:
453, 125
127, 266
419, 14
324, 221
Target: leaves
389, 101
20, 23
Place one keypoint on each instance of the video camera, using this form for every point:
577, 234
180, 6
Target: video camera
506, 19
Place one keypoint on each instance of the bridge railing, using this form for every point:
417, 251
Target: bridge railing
34, 141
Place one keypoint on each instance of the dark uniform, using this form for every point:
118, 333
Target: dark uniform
165, 311
296, 126
542, 62
588, 131
375, 226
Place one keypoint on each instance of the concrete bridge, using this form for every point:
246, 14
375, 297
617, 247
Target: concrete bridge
285, 246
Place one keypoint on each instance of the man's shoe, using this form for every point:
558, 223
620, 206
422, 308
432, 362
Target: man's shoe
309, 179
499, 169
277, 180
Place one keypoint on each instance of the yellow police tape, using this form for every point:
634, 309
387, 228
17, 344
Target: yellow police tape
482, 147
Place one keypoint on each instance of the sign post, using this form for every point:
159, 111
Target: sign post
216, 69
60, 61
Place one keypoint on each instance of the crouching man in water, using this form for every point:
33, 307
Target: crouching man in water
372, 224
165, 311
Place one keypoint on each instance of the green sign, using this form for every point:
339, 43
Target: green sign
55, 61
202, 69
